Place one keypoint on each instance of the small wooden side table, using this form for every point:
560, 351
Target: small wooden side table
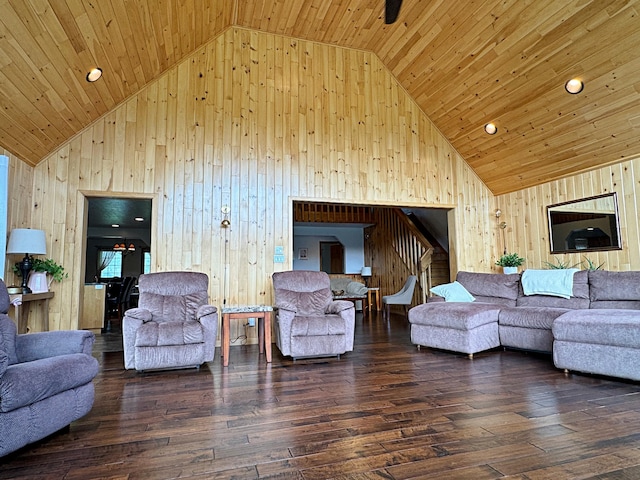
374, 292
261, 312
22, 311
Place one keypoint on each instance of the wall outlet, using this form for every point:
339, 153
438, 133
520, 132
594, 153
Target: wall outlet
278, 259
252, 322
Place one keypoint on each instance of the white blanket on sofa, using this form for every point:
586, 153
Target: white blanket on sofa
557, 283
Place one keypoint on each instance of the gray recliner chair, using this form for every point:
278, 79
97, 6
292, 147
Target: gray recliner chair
46, 380
172, 327
309, 323
403, 297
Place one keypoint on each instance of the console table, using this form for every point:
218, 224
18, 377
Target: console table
261, 312
22, 314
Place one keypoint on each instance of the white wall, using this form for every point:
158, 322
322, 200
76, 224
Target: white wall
310, 237
4, 198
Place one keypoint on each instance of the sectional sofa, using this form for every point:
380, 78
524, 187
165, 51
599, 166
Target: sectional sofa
593, 328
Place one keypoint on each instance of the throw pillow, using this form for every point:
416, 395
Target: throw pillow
453, 292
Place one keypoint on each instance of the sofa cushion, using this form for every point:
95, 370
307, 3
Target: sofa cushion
8, 338
305, 303
29, 382
619, 286
305, 326
530, 317
578, 300
459, 316
4, 298
171, 308
491, 287
453, 292
555, 283
620, 328
155, 334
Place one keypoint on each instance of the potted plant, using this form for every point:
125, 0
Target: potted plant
510, 262
48, 268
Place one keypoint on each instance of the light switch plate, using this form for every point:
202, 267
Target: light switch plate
279, 250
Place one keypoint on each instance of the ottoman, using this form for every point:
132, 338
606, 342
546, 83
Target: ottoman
459, 327
604, 342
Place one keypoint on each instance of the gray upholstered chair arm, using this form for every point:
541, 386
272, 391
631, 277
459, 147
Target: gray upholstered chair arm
130, 325
337, 306
35, 346
284, 319
139, 314
205, 310
349, 317
208, 317
4, 362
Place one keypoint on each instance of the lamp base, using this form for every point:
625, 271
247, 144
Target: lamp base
25, 268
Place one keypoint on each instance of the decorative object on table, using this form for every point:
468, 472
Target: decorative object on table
510, 262
30, 242
366, 274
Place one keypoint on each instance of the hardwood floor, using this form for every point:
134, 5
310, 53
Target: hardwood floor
384, 411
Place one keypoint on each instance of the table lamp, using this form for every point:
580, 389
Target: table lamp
366, 273
29, 242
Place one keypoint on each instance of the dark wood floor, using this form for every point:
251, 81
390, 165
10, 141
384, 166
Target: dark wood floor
385, 410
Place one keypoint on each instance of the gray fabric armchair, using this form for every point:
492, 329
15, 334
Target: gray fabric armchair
172, 327
309, 323
45, 380
403, 297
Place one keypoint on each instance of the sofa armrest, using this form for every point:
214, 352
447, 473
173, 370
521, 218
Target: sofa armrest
35, 346
139, 314
4, 362
435, 299
337, 306
205, 310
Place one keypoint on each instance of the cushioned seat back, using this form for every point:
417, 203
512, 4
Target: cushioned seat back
497, 288
614, 289
579, 296
4, 298
173, 296
305, 292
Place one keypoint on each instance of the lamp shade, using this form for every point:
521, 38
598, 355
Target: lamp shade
366, 271
27, 241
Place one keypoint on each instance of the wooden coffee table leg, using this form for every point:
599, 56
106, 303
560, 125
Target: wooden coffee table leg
226, 333
267, 335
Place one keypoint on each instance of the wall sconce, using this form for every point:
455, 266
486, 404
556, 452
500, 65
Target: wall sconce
502, 226
574, 86
30, 242
225, 219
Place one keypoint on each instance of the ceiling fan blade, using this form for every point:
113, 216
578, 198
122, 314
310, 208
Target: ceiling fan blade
392, 9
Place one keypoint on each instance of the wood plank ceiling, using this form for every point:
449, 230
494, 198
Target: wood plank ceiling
465, 63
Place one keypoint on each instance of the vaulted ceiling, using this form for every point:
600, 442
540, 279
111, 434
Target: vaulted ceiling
465, 63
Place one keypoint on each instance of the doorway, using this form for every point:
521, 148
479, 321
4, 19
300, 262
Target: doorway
331, 257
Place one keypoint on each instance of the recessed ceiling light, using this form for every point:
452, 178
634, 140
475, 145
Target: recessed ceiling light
115, 225
94, 74
139, 219
574, 86
491, 128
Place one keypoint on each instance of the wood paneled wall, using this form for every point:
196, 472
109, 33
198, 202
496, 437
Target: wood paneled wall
525, 213
253, 121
